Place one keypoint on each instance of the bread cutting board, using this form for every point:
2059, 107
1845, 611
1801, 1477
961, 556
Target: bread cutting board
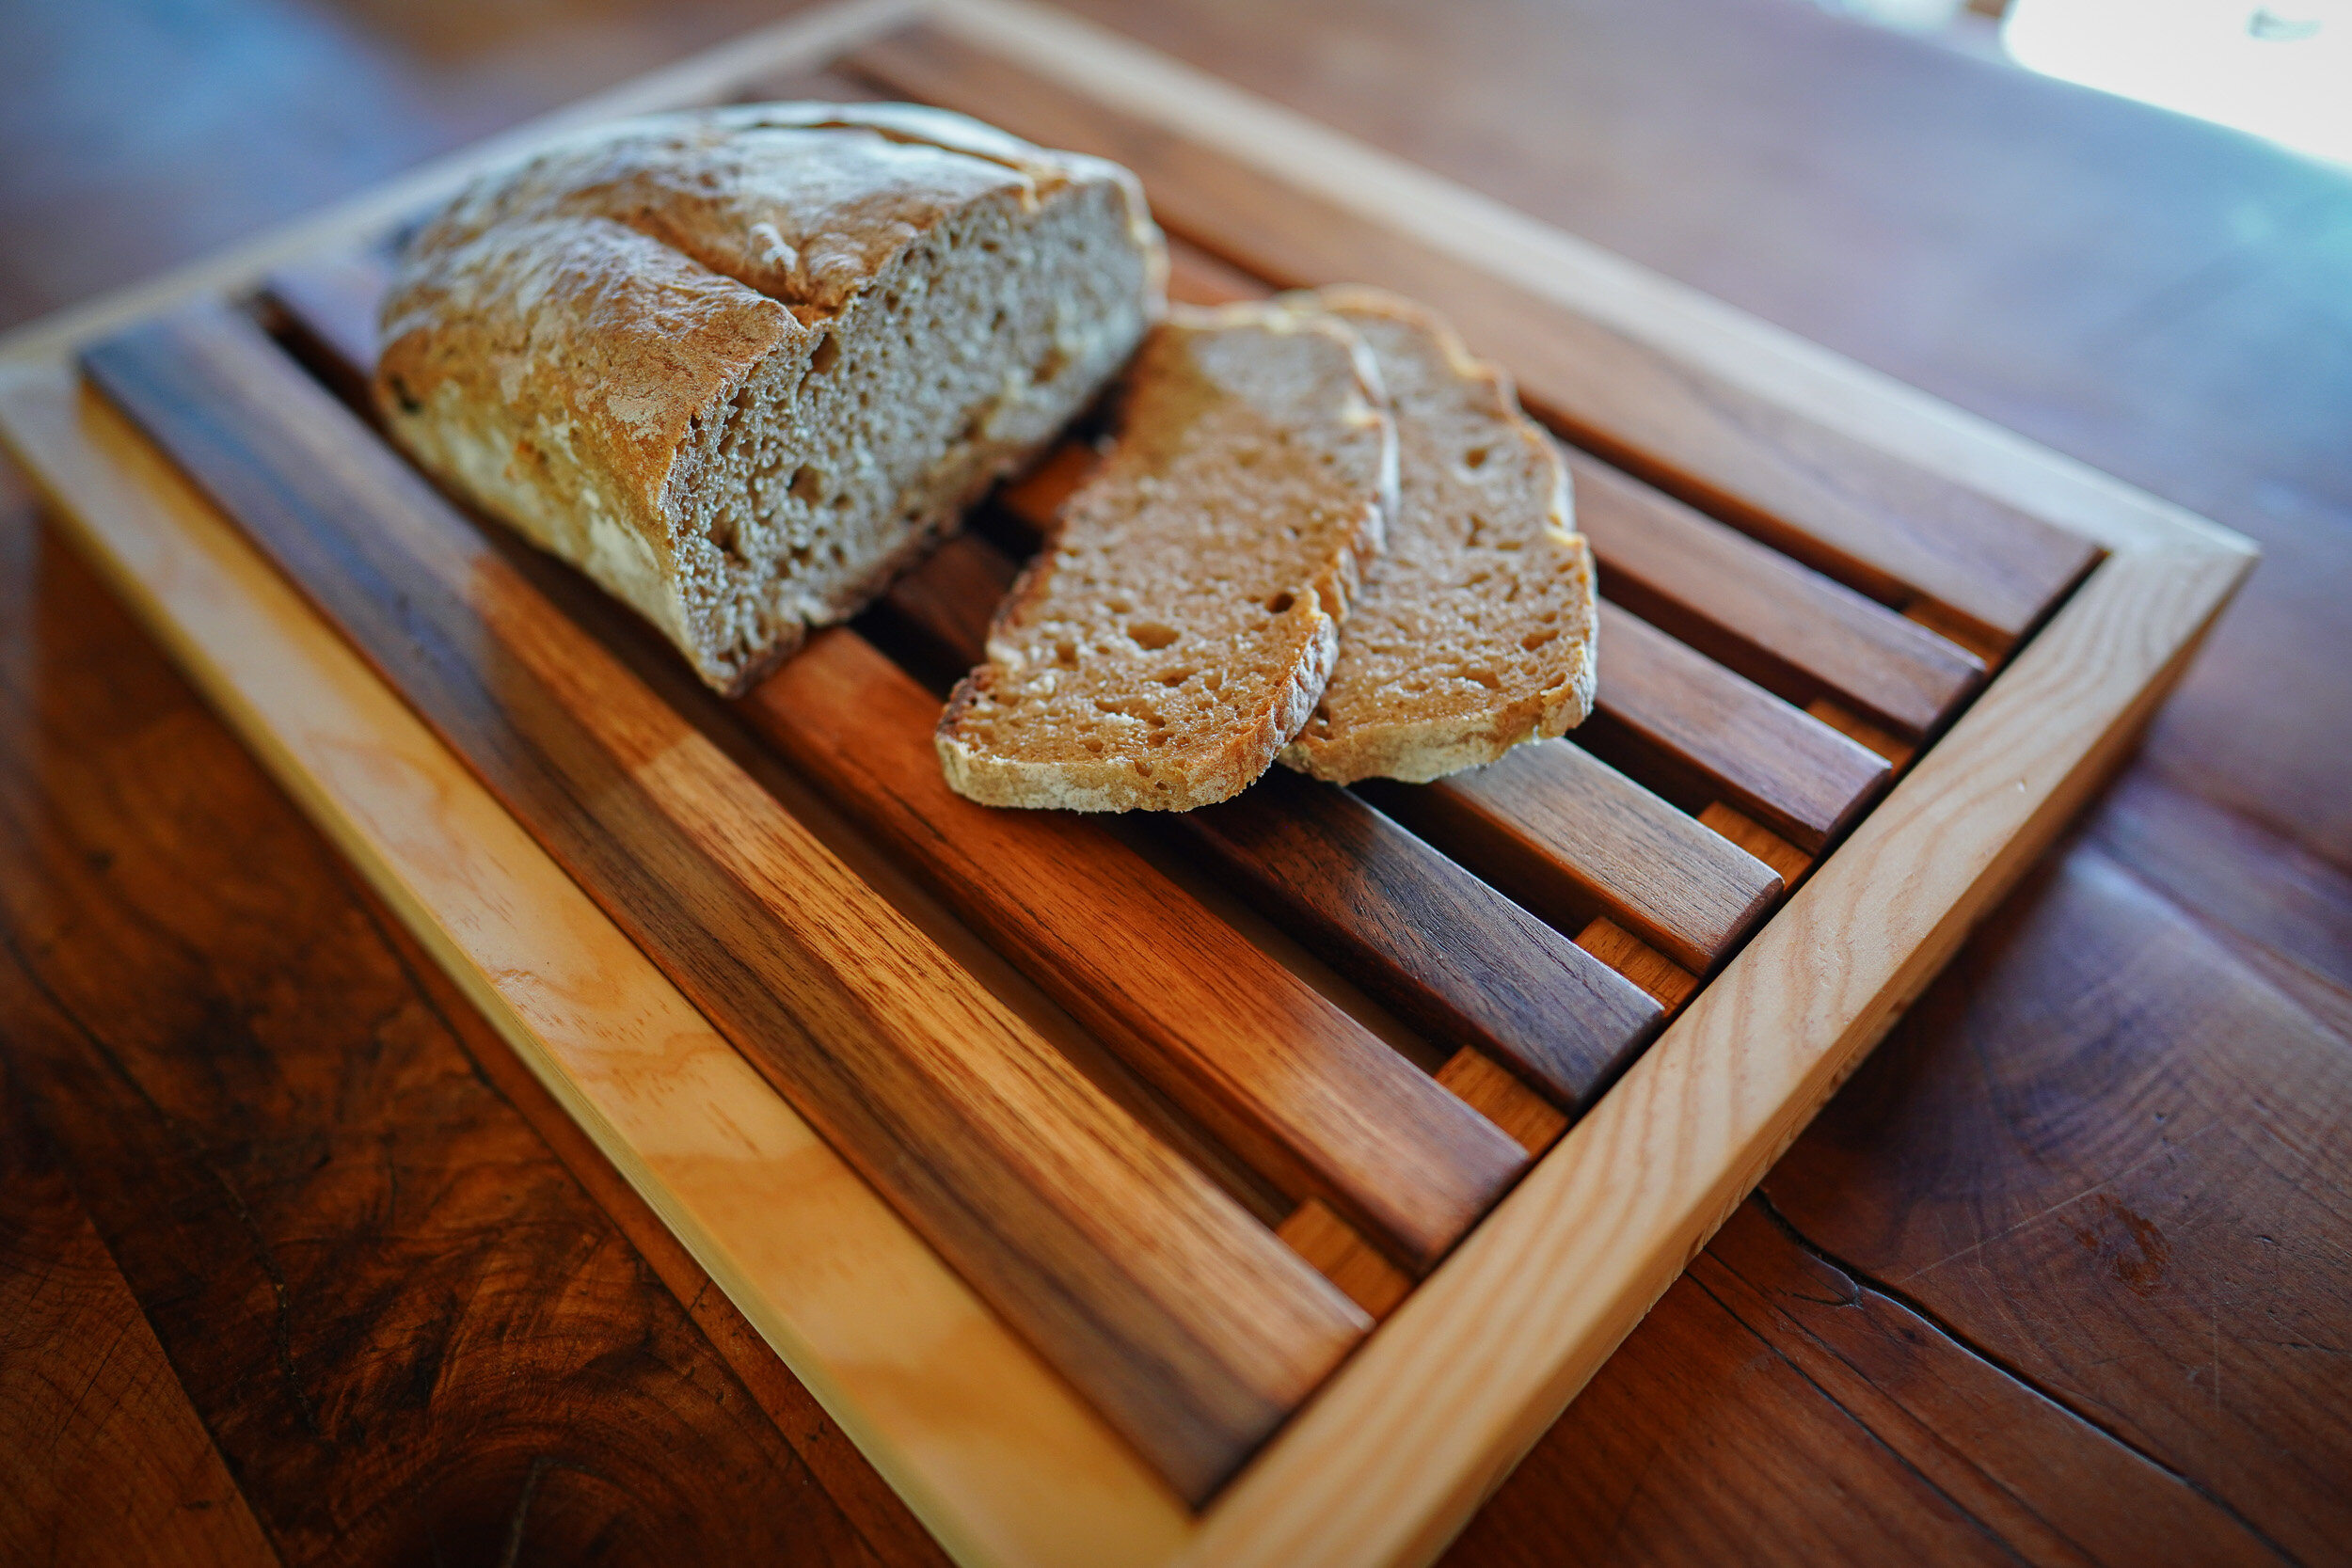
1146, 1193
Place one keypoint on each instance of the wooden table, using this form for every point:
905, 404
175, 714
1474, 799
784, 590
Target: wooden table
296, 1261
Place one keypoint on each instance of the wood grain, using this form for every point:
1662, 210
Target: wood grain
1344, 1258
706, 75
1671, 714
1780, 1504
126, 1471
1440, 946
1768, 1371
998, 1455
1757, 840
1133, 958
1302, 1090
409, 1333
1505, 1100
1754, 609
1738, 1072
326, 307
1447, 953
890, 1529
1038, 1188
2182, 1267
1572, 838
1901, 531
1658, 976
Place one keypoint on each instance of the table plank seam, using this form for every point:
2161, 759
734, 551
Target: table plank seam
2001, 1364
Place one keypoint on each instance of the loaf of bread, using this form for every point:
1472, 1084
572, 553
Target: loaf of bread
743, 366
1182, 623
1475, 629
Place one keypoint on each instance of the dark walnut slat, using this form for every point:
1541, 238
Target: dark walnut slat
1189, 1327
124, 1462
1838, 1390
410, 1334
1903, 535
1441, 948
1754, 609
1678, 713
1302, 1091
1574, 840
1448, 954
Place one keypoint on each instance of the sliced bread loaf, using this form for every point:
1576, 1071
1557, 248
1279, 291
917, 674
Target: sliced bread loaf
1179, 629
1474, 631
740, 366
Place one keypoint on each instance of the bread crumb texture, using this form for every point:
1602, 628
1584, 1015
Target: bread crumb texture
743, 366
1474, 631
1182, 624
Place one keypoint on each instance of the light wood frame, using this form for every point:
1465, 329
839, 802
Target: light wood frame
993, 1452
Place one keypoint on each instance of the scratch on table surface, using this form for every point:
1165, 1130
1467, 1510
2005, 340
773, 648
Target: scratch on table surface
2168, 1146
2216, 1352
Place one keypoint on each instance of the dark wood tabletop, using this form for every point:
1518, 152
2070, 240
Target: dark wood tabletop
298, 1262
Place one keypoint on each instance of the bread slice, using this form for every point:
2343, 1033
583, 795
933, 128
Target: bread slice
1185, 618
1474, 631
742, 365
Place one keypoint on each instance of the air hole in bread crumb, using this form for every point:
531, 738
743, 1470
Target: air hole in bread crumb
1486, 678
1536, 639
1151, 635
1051, 366
1474, 458
808, 482
1279, 603
828, 350
1066, 655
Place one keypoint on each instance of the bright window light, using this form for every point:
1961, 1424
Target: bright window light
2280, 69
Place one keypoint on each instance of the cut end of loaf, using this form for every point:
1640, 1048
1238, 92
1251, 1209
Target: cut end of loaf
1475, 630
852, 451
743, 366
1186, 618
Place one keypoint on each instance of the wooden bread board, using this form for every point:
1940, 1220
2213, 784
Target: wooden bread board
1156, 1193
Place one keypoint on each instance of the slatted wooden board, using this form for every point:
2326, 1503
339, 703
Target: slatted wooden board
1212, 1174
